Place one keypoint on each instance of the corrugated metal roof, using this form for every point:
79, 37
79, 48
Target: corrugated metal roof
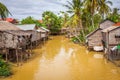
4, 25
44, 29
27, 27
40, 30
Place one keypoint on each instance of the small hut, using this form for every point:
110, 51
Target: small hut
31, 28
12, 39
44, 32
111, 41
94, 39
5, 26
109, 35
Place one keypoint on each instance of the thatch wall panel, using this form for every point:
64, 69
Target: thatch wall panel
95, 39
112, 34
11, 39
43, 35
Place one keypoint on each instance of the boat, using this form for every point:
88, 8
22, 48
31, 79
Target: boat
98, 48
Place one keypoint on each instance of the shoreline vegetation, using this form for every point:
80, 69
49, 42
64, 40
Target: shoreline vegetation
81, 18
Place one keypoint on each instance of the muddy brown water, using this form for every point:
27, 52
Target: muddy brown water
60, 59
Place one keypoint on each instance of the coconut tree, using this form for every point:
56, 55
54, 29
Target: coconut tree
4, 12
90, 6
74, 8
97, 6
104, 8
114, 16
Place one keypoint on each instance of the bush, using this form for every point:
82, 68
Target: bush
4, 68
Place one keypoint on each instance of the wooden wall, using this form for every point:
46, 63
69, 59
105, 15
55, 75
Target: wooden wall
95, 39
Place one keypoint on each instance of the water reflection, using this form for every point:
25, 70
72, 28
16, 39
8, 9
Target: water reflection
60, 59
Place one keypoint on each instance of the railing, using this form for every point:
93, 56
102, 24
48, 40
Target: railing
114, 55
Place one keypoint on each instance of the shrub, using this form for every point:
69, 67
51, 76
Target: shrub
4, 68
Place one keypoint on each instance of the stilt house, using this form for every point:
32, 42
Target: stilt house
95, 38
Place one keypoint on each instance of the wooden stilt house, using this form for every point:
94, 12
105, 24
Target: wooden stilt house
111, 41
94, 39
44, 32
12, 39
31, 28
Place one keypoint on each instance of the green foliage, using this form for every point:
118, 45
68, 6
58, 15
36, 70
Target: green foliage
52, 21
4, 68
64, 19
31, 20
75, 8
4, 12
28, 20
114, 16
87, 14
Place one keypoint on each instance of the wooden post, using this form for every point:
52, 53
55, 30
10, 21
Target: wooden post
108, 47
17, 58
31, 46
6, 54
21, 56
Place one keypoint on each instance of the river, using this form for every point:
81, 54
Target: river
61, 59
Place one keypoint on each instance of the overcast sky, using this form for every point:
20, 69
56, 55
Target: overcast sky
23, 8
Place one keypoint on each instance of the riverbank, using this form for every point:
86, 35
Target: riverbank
61, 59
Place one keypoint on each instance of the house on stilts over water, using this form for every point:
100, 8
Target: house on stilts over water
13, 41
94, 39
38, 33
111, 41
44, 32
17, 42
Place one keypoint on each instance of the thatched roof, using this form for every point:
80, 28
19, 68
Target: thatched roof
106, 23
93, 32
4, 25
19, 33
27, 27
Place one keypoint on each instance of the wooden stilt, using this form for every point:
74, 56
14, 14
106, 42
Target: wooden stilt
17, 58
6, 51
21, 57
31, 47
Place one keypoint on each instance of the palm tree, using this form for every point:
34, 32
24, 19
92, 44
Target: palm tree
4, 12
114, 16
97, 6
104, 8
91, 6
74, 8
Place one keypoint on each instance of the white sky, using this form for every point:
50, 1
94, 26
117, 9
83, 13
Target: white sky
24, 8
